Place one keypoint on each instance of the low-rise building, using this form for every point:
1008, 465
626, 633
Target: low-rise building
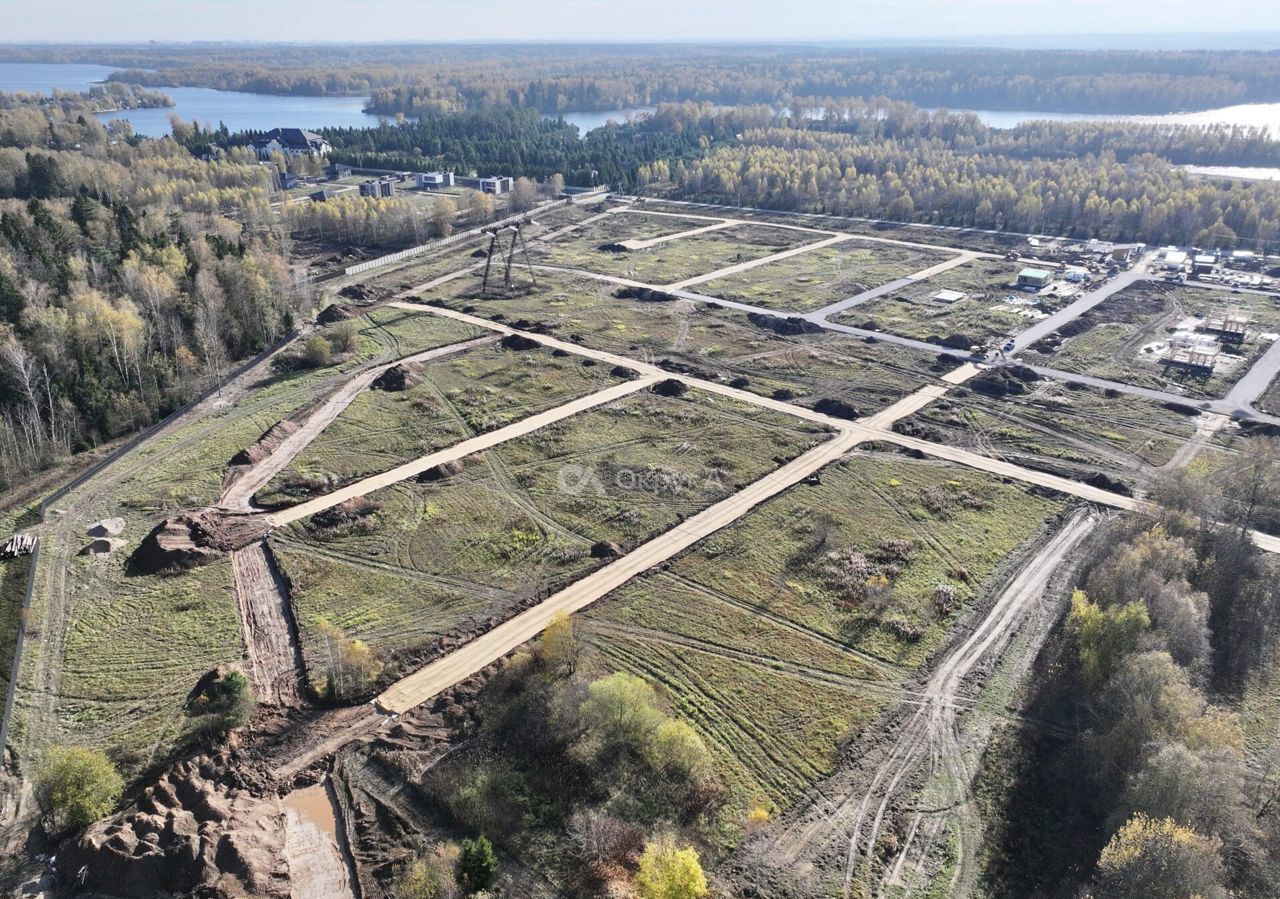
434, 180
291, 142
1034, 278
380, 187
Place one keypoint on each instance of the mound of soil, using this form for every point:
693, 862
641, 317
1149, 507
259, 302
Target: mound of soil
621, 371
644, 295
670, 387
606, 549
613, 248
336, 312
786, 327
480, 254
359, 292
107, 527
740, 383
836, 408
1111, 485
1005, 381
518, 342
195, 831
441, 472
265, 445
398, 377
191, 539
344, 513
103, 546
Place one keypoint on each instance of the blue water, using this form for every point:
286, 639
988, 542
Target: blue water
263, 111
240, 111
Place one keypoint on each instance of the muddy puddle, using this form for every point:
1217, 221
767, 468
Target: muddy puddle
314, 847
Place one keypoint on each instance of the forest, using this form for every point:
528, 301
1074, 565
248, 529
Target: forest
418, 78
123, 284
1147, 787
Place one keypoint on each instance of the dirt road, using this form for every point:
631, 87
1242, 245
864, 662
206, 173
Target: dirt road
756, 263
239, 494
444, 673
272, 650
458, 451
850, 810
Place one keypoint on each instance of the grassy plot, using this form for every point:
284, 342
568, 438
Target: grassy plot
679, 259
1123, 337
1055, 424
824, 276
718, 343
478, 390
393, 609
982, 315
136, 647
823, 602
520, 520
630, 225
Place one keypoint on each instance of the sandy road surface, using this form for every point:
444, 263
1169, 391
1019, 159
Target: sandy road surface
458, 451
239, 495
444, 673
667, 238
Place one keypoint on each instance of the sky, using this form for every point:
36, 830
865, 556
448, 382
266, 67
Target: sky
624, 20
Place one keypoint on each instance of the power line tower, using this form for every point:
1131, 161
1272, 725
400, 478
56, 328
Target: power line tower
496, 247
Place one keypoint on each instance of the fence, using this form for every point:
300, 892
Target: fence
94, 469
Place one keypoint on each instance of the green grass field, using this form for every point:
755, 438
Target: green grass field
982, 316
759, 653
478, 390
679, 259
520, 519
824, 276
1083, 427
717, 342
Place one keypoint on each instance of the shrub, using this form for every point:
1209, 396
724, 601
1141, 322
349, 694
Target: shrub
77, 786
477, 865
669, 872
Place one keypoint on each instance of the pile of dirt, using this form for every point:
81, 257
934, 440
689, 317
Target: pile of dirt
265, 445
103, 546
621, 371
398, 377
518, 342
360, 292
837, 408
107, 527
336, 312
191, 539
1009, 380
196, 830
789, 326
441, 472
606, 549
1112, 485
614, 248
670, 387
644, 295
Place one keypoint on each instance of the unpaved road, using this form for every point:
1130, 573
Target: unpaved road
455, 667
846, 814
459, 451
756, 263
239, 495
272, 651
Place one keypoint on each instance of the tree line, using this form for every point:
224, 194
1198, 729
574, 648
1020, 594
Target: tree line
123, 284
1156, 791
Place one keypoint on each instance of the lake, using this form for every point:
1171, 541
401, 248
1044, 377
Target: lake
264, 111
240, 111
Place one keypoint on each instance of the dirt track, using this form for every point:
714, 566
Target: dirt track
273, 655
239, 495
847, 813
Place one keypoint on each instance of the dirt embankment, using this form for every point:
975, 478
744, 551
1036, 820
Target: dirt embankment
191, 539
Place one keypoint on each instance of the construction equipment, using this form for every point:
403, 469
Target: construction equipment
495, 233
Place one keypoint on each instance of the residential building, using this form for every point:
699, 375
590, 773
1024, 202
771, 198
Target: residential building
291, 142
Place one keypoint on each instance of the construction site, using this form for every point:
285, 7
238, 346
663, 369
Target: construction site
825, 491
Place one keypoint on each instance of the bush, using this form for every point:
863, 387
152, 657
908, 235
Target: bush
315, 351
77, 786
668, 872
477, 865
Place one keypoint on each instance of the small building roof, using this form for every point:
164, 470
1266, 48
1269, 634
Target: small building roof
1036, 273
949, 296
